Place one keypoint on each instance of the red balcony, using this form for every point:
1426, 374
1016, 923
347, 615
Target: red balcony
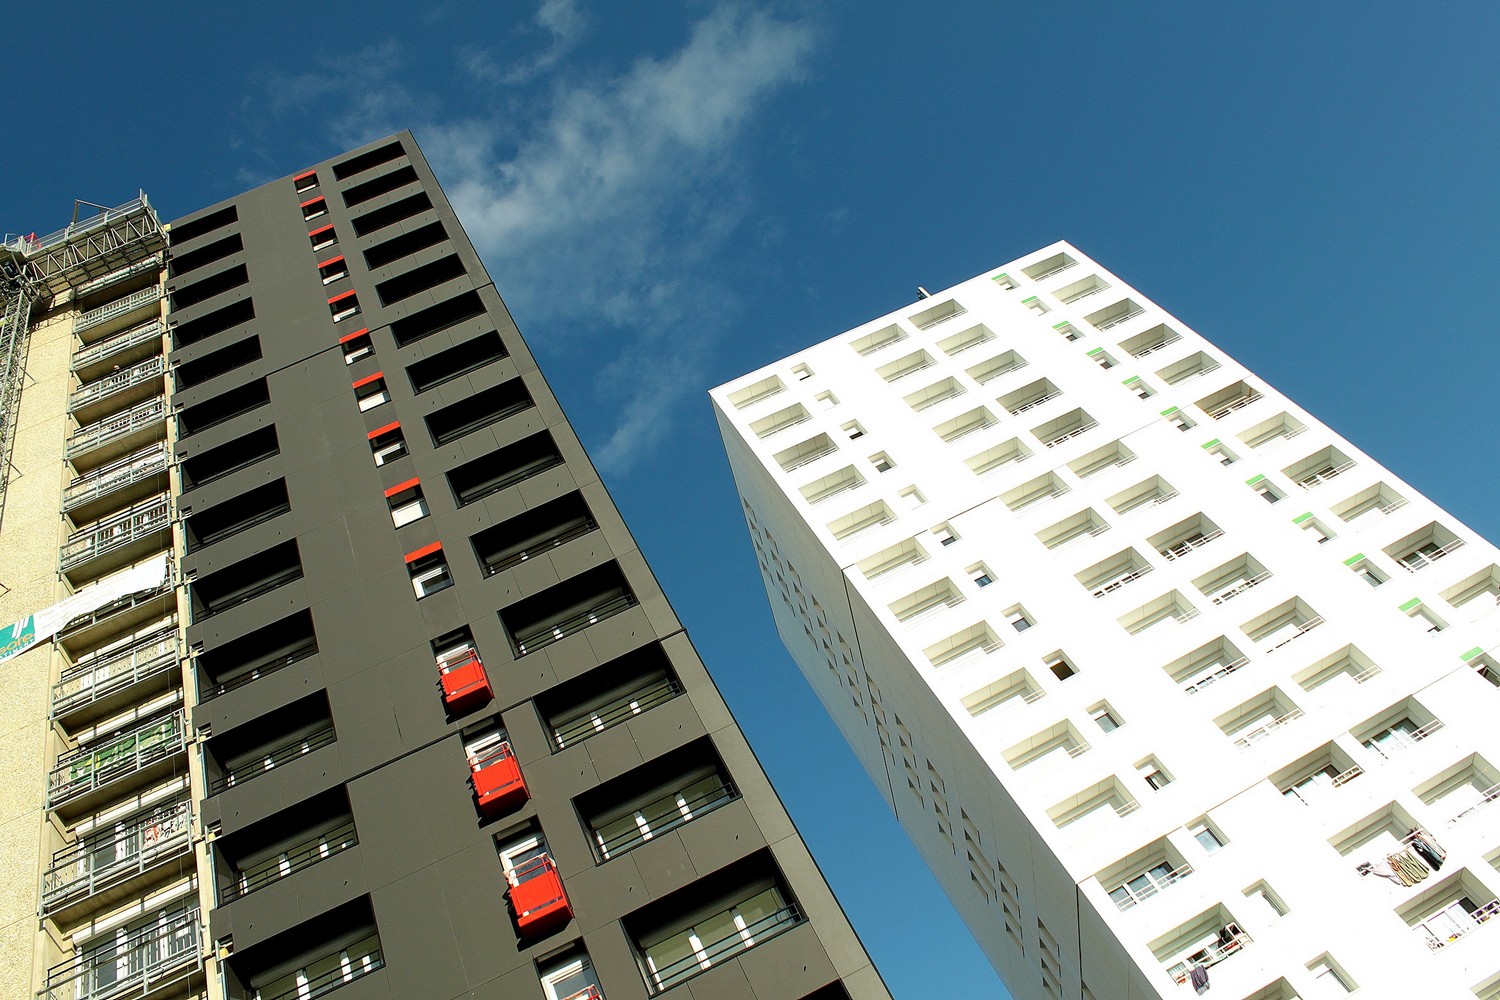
587, 993
465, 684
496, 777
536, 894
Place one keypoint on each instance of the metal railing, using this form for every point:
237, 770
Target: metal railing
119, 381
537, 548
1187, 545
707, 953
264, 587
1420, 559
291, 861
89, 680
119, 307
957, 312
1124, 317
90, 767
327, 974
1070, 435
118, 606
117, 425
1205, 368
1059, 269
573, 624
1261, 732
1154, 884
142, 333
793, 421
229, 531
137, 522
1302, 629
953, 391
678, 811
1212, 954
151, 263
301, 652
612, 713
1031, 500
95, 863
984, 422
272, 759
1217, 675
1045, 397
1115, 583
811, 458
1159, 345
1225, 409
843, 487
1313, 480
1486, 797
1242, 586
931, 609
1479, 916
137, 964
912, 370
149, 461
1399, 739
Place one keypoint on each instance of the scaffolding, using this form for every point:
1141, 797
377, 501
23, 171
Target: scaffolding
88, 254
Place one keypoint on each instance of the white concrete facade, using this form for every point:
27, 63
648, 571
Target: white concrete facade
1147, 660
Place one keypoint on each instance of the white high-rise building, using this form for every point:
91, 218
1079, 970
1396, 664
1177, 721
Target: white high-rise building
1166, 680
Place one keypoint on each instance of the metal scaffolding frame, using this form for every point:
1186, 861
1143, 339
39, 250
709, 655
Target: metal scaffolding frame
85, 255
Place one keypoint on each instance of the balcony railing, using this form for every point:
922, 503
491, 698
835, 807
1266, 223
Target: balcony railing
264, 587
1420, 559
1225, 409
142, 333
1131, 898
95, 863
708, 953
1213, 954
1261, 732
115, 382
151, 263
573, 624
276, 757
1477, 917
1218, 675
1313, 480
94, 678
91, 767
115, 607
143, 464
1188, 545
1124, 317
292, 861
1486, 797
812, 457
139, 521
1120, 581
1239, 588
1397, 740
327, 974
139, 963
1159, 345
91, 436
1302, 629
537, 548
119, 307
210, 691
1045, 397
611, 714
1070, 435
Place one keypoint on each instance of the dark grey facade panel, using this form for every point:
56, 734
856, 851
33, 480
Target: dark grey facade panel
314, 652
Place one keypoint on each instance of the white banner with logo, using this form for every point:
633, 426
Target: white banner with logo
43, 625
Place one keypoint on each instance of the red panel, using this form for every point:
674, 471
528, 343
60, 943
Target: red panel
321, 229
311, 201
425, 550
394, 425
498, 782
402, 486
305, 173
539, 900
341, 296
466, 685
368, 379
357, 333
330, 260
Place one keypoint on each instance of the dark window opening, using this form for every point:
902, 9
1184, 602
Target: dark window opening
239, 514
503, 468
207, 288
420, 279
405, 245
387, 443
608, 695
479, 411
385, 184
184, 231
181, 264
226, 318
224, 406
305, 181
388, 215
655, 798
245, 580
254, 655
323, 237
455, 362
368, 160
567, 608
437, 318
534, 533
241, 453
226, 359
312, 959
283, 844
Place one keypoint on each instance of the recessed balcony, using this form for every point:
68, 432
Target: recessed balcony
115, 764
118, 539
123, 481
153, 961
117, 390
95, 686
101, 869
94, 445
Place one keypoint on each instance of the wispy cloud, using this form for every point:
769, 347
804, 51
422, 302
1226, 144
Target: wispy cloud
604, 204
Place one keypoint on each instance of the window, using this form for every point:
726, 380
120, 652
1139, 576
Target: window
879, 340
827, 400
1221, 454
912, 498
882, 462
334, 269
1366, 570
1331, 980
1140, 388
406, 502
314, 208
1424, 616
429, 570
1207, 835
980, 574
853, 430
944, 534
344, 305
323, 237
371, 391
801, 372
356, 346
1268, 492
1068, 331
570, 977
1019, 618
1101, 358
1178, 419
1105, 717
1156, 776
717, 937
1318, 531
326, 974
1036, 305
387, 443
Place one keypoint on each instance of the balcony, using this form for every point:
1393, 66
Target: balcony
695, 799
1065, 428
128, 346
578, 724
140, 964
1114, 315
119, 389
1119, 570
1229, 942
291, 861
1029, 397
463, 680
1248, 738
495, 775
124, 536
1044, 269
270, 759
1228, 400
533, 534
118, 616
93, 445
538, 897
130, 478
113, 316
716, 937
779, 421
539, 637
329, 973
1133, 892
117, 762
940, 313
106, 681
110, 864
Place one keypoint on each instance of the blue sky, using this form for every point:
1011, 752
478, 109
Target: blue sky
669, 194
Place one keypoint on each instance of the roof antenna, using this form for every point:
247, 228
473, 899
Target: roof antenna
923, 293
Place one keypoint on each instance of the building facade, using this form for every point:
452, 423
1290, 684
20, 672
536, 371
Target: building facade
334, 666
1170, 684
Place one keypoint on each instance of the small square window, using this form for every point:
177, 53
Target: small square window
1140, 388
854, 430
1207, 835
356, 346
801, 372
323, 237
1368, 571
387, 444
1019, 618
1156, 776
1105, 717
306, 181
827, 400
980, 574
1101, 358
333, 269
1316, 529
1268, 492
912, 497
1062, 668
1221, 454
882, 462
1425, 617
314, 208
1068, 331
343, 306
1179, 420
429, 571
371, 392
944, 534
406, 502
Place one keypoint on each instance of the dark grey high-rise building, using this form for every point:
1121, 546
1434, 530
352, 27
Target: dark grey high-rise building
342, 671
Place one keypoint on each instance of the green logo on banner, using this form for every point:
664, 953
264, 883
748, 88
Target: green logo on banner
17, 638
